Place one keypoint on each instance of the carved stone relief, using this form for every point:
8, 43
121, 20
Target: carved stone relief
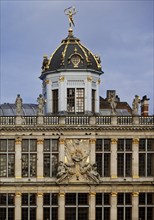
76, 167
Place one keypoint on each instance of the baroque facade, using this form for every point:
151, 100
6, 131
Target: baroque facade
75, 155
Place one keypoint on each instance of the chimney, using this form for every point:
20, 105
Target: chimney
144, 106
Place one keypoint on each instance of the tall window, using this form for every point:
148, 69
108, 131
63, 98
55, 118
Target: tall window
7, 157
51, 152
146, 206
124, 206
124, 158
7, 206
76, 206
50, 206
29, 206
103, 151
29, 158
103, 206
55, 100
146, 157
93, 100
75, 100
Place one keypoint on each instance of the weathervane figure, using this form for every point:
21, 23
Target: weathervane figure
70, 12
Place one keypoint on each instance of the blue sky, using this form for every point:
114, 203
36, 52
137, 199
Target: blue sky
121, 32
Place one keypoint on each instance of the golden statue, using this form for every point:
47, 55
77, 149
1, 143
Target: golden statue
70, 12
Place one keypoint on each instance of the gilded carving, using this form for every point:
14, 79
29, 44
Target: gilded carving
99, 81
113, 141
135, 194
18, 140
61, 78
18, 193
89, 78
135, 141
92, 140
61, 141
114, 194
40, 141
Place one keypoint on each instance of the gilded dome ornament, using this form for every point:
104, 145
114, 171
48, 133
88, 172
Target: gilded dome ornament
70, 12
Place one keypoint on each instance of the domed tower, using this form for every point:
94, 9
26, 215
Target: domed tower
71, 78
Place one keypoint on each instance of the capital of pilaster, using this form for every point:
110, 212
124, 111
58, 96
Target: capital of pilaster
113, 141
39, 194
92, 141
113, 194
40, 141
135, 194
61, 141
135, 141
61, 194
18, 194
18, 140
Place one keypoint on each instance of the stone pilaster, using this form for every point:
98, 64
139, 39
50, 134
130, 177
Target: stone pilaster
61, 149
92, 150
114, 206
92, 206
135, 162
61, 210
39, 158
113, 158
135, 206
18, 206
18, 158
39, 206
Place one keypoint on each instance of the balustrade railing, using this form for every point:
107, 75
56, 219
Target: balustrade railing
77, 120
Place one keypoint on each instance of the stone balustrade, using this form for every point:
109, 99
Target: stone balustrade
76, 120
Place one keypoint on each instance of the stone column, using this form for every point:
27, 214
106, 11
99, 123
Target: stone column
39, 206
114, 206
61, 211
92, 206
18, 158
39, 158
113, 158
92, 150
135, 206
135, 161
18, 206
61, 149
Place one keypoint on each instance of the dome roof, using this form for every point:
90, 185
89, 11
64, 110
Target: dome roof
8, 109
71, 55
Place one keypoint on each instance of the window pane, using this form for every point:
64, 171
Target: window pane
10, 199
46, 145
150, 198
150, 164
150, 144
3, 145
24, 165
11, 145
128, 164
46, 213
71, 100
11, 163
99, 163
33, 145
70, 213
55, 213
83, 213
107, 143
120, 213
2, 199
54, 145
120, 199
2, 213
47, 165
120, 144
33, 160
32, 199
128, 213
55, 100
141, 164
54, 164
98, 145
128, 144
25, 199
106, 213
142, 144
106, 199
128, 199
32, 213
80, 100
54, 199
106, 164
98, 198
141, 198
142, 213
25, 213
83, 199
25, 145
120, 164
10, 213
150, 213
70, 199
3, 165
99, 213
46, 199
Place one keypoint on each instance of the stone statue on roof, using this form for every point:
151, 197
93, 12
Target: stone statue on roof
135, 105
70, 12
113, 103
18, 104
41, 103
